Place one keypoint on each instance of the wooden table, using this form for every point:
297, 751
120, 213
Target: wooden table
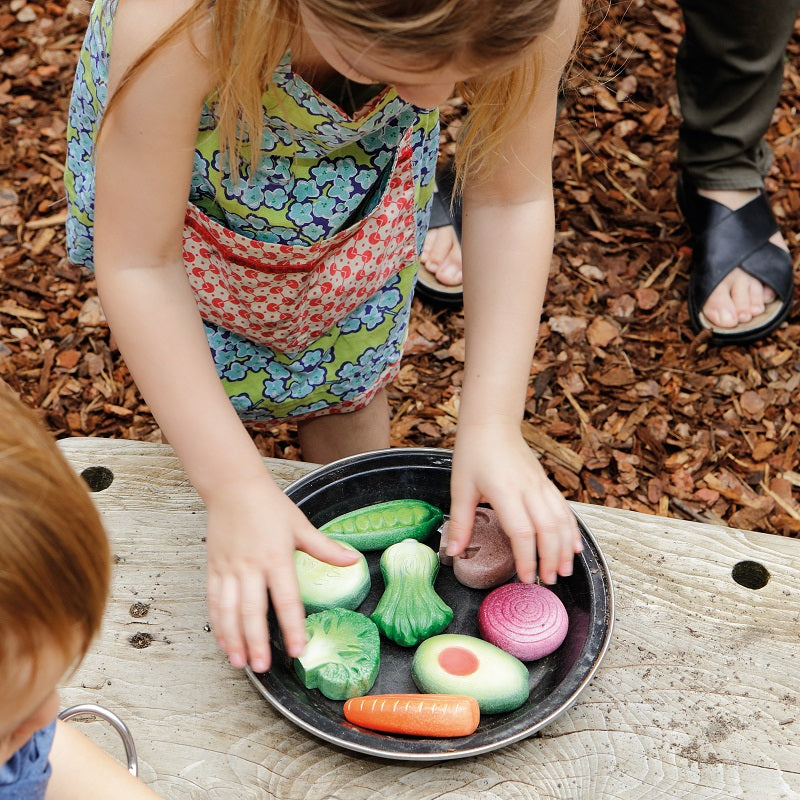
698, 696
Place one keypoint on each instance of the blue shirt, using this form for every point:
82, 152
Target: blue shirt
25, 775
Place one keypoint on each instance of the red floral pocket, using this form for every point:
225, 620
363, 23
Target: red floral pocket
286, 296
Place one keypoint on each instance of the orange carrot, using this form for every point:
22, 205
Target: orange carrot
439, 715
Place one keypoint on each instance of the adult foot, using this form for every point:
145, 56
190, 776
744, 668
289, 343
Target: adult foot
441, 255
739, 297
440, 262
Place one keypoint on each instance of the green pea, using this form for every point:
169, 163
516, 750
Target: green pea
379, 526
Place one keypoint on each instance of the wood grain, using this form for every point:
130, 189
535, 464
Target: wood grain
698, 696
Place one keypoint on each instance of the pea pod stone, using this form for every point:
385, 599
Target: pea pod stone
381, 525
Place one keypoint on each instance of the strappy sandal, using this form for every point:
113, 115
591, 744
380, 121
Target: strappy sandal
722, 240
443, 214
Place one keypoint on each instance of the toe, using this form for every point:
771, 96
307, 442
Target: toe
449, 274
743, 298
720, 309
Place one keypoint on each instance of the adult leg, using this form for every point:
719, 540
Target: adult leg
325, 439
729, 72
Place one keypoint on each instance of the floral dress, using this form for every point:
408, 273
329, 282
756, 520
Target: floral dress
304, 270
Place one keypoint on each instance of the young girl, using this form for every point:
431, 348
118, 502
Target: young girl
54, 577
283, 288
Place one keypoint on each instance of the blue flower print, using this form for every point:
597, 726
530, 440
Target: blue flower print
276, 197
384, 139
244, 405
319, 405
207, 119
308, 372
324, 172
234, 372
301, 213
304, 189
275, 170
200, 185
388, 298
365, 316
251, 225
366, 178
332, 136
81, 148
342, 187
80, 242
217, 337
80, 89
313, 233
84, 189
357, 377
254, 194
278, 130
269, 140
275, 388
98, 58
305, 96
325, 208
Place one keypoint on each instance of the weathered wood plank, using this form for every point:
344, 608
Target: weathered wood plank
698, 696
158, 482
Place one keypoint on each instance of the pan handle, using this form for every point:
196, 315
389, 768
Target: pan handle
90, 709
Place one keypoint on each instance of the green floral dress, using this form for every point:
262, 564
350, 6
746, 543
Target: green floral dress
304, 270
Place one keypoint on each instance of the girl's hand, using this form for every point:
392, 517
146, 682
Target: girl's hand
492, 463
253, 530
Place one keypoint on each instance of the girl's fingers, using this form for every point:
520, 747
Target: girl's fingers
223, 605
285, 598
253, 613
519, 528
556, 535
326, 549
462, 518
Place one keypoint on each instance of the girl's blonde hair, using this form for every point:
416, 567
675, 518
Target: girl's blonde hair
54, 554
252, 36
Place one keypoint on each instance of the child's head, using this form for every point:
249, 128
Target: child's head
477, 34
491, 43
54, 572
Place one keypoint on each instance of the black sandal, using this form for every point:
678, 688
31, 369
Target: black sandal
443, 214
722, 240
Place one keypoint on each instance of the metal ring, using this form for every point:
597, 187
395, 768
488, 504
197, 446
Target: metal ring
90, 709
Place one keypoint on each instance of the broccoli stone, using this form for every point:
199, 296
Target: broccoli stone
342, 654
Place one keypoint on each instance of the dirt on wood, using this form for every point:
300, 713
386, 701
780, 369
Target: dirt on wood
626, 406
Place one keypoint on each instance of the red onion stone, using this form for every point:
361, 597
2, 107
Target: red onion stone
526, 620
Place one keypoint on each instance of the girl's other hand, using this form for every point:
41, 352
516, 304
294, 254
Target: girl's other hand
253, 531
492, 463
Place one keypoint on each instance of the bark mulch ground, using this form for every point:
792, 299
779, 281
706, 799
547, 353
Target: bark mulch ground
626, 406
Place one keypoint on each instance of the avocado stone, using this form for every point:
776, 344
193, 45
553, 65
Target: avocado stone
453, 663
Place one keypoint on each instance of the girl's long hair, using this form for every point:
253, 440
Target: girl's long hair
251, 37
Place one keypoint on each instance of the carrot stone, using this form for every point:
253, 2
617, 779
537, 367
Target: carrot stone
431, 715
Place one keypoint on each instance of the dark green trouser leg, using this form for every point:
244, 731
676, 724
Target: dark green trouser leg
729, 71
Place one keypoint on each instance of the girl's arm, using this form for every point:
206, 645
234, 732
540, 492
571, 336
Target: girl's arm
508, 230
144, 168
82, 771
